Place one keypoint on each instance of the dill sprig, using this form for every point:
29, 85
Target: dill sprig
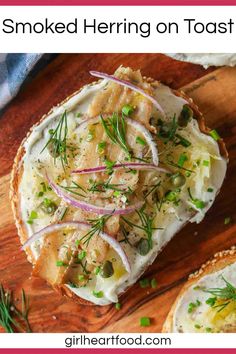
152, 189
115, 128
97, 225
227, 293
146, 224
58, 141
74, 189
10, 316
103, 186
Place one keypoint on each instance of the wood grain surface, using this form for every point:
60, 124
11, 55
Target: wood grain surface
214, 92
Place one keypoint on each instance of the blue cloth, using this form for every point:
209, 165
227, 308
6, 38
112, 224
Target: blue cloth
14, 68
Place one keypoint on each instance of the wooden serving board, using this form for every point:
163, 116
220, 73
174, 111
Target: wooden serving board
214, 92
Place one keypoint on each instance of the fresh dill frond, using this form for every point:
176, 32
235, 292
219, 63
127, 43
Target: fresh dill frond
97, 225
146, 224
227, 293
57, 143
115, 128
104, 186
152, 189
10, 317
74, 189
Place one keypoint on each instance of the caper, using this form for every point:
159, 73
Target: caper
107, 270
53, 149
143, 246
185, 116
178, 180
48, 208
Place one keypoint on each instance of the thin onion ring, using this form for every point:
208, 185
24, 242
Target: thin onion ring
129, 85
78, 225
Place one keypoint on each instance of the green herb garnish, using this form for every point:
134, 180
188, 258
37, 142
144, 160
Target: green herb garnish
61, 264
145, 321
97, 225
97, 294
118, 306
199, 204
10, 317
33, 215
115, 128
101, 147
228, 293
193, 305
210, 190
127, 110
227, 220
140, 141
154, 283
82, 255
206, 163
146, 224
214, 135
181, 141
144, 283
57, 143
74, 189
181, 160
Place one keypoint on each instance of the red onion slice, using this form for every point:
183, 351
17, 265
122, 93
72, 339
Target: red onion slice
130, 165
84, 226
91, 207
129, 85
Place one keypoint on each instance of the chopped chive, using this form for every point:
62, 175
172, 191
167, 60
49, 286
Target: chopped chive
145, 321
78, 115
82, 255
33, 215
29, 221
214, 135
144, 283
40, 194
193, 305
208, 329
210, 190
211, 301
205, 163
97, 294
101, 147
187, 173
61, 264
64, 213
140, 141
199, 204
182, 141
81, 277
109, 165
133, 172
116, 193
182, 159
153, 283
97, 270
127, 110
227, 220
118, 306
197, 326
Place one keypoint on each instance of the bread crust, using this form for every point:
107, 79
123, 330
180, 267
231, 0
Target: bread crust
17, 172
219, 261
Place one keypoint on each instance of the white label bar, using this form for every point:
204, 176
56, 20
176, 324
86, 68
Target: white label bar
118, 29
